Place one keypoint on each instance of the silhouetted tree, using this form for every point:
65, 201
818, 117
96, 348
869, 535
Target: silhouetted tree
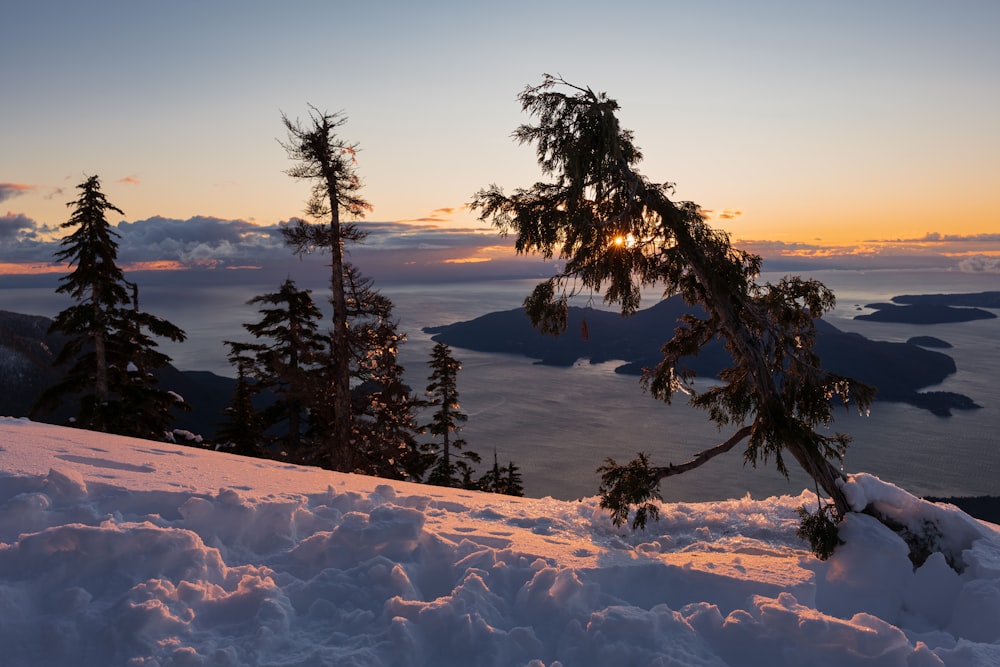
451, 464
287, 361
111, 351
506, 480
328, 162
383, 424
145, 410
618, 232
242, 432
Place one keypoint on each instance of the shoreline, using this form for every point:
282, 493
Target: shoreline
985, 508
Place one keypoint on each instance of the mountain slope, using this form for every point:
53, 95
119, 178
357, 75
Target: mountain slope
120, 551
27, 351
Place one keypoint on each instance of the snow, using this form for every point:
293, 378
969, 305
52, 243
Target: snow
117, 551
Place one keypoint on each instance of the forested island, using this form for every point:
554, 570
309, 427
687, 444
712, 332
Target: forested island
899, 371
934, 308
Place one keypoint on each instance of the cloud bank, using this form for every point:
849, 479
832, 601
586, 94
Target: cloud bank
424, 249
390, 250
969, 253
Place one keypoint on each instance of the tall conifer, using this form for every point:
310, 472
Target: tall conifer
451, 466
286, 361
328, 162
383, 424
110, 350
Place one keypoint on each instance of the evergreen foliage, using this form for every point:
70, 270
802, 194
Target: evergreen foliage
242, 432
505, 480
383, 423
111, 351
291, 360
286, 361
451, 465
634, 485
819, 530
617, 232
328, 162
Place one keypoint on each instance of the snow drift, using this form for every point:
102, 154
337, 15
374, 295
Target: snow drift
116, 551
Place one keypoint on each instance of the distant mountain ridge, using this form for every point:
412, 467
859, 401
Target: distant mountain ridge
27, 351
898, 370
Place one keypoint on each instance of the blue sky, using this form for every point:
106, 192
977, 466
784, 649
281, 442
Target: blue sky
840, 132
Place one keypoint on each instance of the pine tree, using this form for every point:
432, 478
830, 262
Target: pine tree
383, 424
511, 484
329, 163
506, 480
242, 432
145, 410
451, 464
617, 233
285, 362
111, 355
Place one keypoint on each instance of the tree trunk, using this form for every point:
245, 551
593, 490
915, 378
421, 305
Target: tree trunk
720, 298
341, 452
101, 385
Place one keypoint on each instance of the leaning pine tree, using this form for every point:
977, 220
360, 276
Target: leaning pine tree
617, 232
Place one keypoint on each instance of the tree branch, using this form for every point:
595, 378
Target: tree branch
703, 457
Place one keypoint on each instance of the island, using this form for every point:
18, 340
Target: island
934, 308
899, 371
923, 314
929, 341
964, 300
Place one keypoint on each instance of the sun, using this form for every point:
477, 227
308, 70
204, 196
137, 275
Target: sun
623, 241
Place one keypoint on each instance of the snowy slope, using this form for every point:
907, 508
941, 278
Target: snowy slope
116, 551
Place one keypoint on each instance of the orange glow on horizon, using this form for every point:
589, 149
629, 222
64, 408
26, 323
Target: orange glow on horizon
158, 265
14, 269
38, 268
973, 253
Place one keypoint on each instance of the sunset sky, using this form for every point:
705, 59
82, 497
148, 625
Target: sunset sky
844, 129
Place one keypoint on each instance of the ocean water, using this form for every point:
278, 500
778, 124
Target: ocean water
559, 424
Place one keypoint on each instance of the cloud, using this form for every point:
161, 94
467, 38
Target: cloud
129, 180
935, 237
11, 190
408, 235
391, 250
443, 214
427, 251
199, 241
423, 250
976, 252
979, 264
23, 251
16, 227
204, 242
725, 214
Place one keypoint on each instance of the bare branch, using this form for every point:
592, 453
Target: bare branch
703, 457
